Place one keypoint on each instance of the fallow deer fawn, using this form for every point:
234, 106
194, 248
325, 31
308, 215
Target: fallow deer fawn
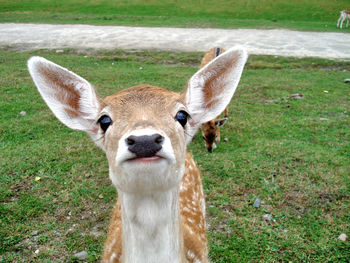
211, 129
160, 212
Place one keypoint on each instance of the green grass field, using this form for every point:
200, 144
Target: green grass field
292, 154
319, 15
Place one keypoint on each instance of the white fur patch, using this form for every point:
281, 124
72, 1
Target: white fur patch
151, 227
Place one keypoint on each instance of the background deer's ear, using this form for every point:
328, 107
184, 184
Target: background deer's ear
210, 89
70, 97
221, 122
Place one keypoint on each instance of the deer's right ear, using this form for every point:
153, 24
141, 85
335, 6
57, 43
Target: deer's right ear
221, 122
70, 97
212, 87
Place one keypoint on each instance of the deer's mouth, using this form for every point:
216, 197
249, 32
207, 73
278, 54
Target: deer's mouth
150, 159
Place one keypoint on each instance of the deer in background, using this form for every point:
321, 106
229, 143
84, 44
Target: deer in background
344, 15
211, 129
160, 211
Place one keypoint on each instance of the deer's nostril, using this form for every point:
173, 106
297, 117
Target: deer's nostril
130, 140
159, 139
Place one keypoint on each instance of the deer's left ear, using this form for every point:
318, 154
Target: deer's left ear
210, 89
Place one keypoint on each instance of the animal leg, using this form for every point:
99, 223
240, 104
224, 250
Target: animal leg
218, 135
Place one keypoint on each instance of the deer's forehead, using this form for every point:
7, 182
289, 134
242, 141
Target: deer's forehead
209, 127
144, 97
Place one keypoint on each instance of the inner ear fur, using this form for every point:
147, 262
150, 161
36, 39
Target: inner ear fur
70, 97
210, 89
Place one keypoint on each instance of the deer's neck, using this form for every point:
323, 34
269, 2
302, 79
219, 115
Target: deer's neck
151, 228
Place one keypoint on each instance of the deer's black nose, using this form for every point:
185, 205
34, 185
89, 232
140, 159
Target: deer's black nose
146, 145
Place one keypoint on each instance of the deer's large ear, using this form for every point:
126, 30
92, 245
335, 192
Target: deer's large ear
210, 89
70, 97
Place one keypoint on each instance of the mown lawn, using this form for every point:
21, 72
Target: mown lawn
320, 15
293, 154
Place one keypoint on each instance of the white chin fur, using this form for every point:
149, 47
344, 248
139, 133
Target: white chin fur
146, 177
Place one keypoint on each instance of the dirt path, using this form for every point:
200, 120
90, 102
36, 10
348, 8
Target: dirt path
270, 42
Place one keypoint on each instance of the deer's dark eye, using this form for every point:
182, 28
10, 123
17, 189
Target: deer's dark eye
181, 117
104, 122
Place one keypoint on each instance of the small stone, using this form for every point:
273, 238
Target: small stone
297, 96
22, 113
272, 101
257, 203
35, 233
267, 217
69, 215
82, 255
100, 196
225, 139
56, 233
343, 237
96, 233
37, 251
347, 80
